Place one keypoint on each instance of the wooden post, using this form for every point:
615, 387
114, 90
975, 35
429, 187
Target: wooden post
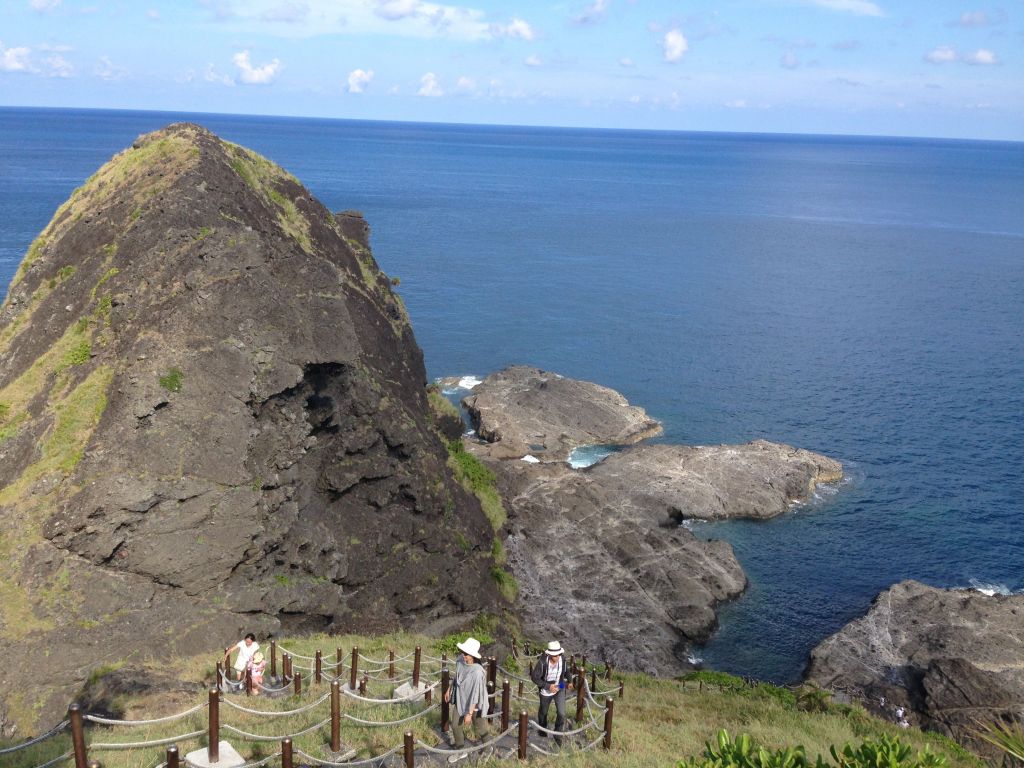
318, 673
572, 663
95, 764
335, 716
416, 669
286, 668
428, 696
490, 698
581, 691
391, 664
524, 729
526, 648
593, 679
273, 658
286, 753
362, 685
410, 759
608, 723
506, 700
492, 671
608, 671
583, 662
445, 683
248, 680
354, 668
220, 675
622, 689
519, 690
77, 735
298, 683
340, 664
213, 732
172, 757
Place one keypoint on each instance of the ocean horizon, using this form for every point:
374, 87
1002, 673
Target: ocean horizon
860, 296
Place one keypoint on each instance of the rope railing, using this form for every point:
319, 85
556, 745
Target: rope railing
150, 743
376, 760
66, 756
278, 713
379, 724
258, 737
153, 721
400, 700
37, 740
476, 748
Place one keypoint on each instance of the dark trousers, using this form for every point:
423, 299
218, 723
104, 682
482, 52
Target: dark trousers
542, 712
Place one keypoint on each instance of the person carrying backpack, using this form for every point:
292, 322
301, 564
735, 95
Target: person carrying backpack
551, 676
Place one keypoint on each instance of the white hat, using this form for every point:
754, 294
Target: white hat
471, 646
554, 649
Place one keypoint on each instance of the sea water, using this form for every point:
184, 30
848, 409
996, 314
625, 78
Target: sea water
862, 297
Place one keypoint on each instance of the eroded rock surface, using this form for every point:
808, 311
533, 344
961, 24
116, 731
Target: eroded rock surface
600, 554
212, 420
530, 411
954, 656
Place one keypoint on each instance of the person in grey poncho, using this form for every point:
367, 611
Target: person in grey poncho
468, 694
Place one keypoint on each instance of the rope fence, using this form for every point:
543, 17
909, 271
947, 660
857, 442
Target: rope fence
427, 681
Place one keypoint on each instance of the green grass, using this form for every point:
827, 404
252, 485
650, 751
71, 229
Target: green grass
478, 480
506, 582
171, 381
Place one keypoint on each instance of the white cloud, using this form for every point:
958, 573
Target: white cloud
856, 7
15, 59
625, 61
532, 60
289, 13
789, 60
941, 55
44, 6
58, 66
105, 69
213, 76
515, 29
593, 13
429, 86
970, 19
261, 75
358, 79
982, 57
465, 85
675, 45
393, 10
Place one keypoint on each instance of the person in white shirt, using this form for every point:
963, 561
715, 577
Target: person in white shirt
551, 675
246, 648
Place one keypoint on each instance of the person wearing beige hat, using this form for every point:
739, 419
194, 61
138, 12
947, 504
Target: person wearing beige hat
551, 676
257, 666
468, 695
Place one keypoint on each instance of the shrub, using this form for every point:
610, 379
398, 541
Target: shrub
721, 680
479, 480
887, 752
506, 583
78, 354
742, 753
171, 381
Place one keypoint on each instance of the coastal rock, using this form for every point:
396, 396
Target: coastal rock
535, 412
952, 655
757, 480
600, 554
213, 419
605, 580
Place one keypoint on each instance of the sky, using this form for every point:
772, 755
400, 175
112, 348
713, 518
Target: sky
944, 68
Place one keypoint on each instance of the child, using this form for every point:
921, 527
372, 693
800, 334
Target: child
256, 666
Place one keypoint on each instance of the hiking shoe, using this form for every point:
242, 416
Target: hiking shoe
456, 758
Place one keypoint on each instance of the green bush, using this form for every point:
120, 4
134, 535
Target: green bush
171, 381
478, 480
887, 752
506, 582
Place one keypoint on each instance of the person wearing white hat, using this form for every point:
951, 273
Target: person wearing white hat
551, 675
468, 694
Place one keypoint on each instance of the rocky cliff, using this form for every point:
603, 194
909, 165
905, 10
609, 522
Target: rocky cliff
953, 657
601, 555
212, 419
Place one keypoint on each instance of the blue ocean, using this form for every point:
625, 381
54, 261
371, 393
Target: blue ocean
862, 297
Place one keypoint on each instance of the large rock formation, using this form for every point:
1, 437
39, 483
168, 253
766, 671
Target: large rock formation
600, 554
544, 414
212, 419
955, 657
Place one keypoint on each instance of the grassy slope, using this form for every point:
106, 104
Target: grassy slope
657, 722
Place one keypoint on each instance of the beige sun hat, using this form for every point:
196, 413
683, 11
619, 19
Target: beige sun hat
471, 646
257, 657
554, 649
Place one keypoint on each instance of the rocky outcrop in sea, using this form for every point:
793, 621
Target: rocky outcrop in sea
954, 658
602, 555
213, 419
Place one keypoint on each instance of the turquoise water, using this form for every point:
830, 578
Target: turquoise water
863, 297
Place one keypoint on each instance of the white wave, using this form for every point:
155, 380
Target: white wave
469, 433
991, 589
468, 382
694, 659
588, 455
530, 459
